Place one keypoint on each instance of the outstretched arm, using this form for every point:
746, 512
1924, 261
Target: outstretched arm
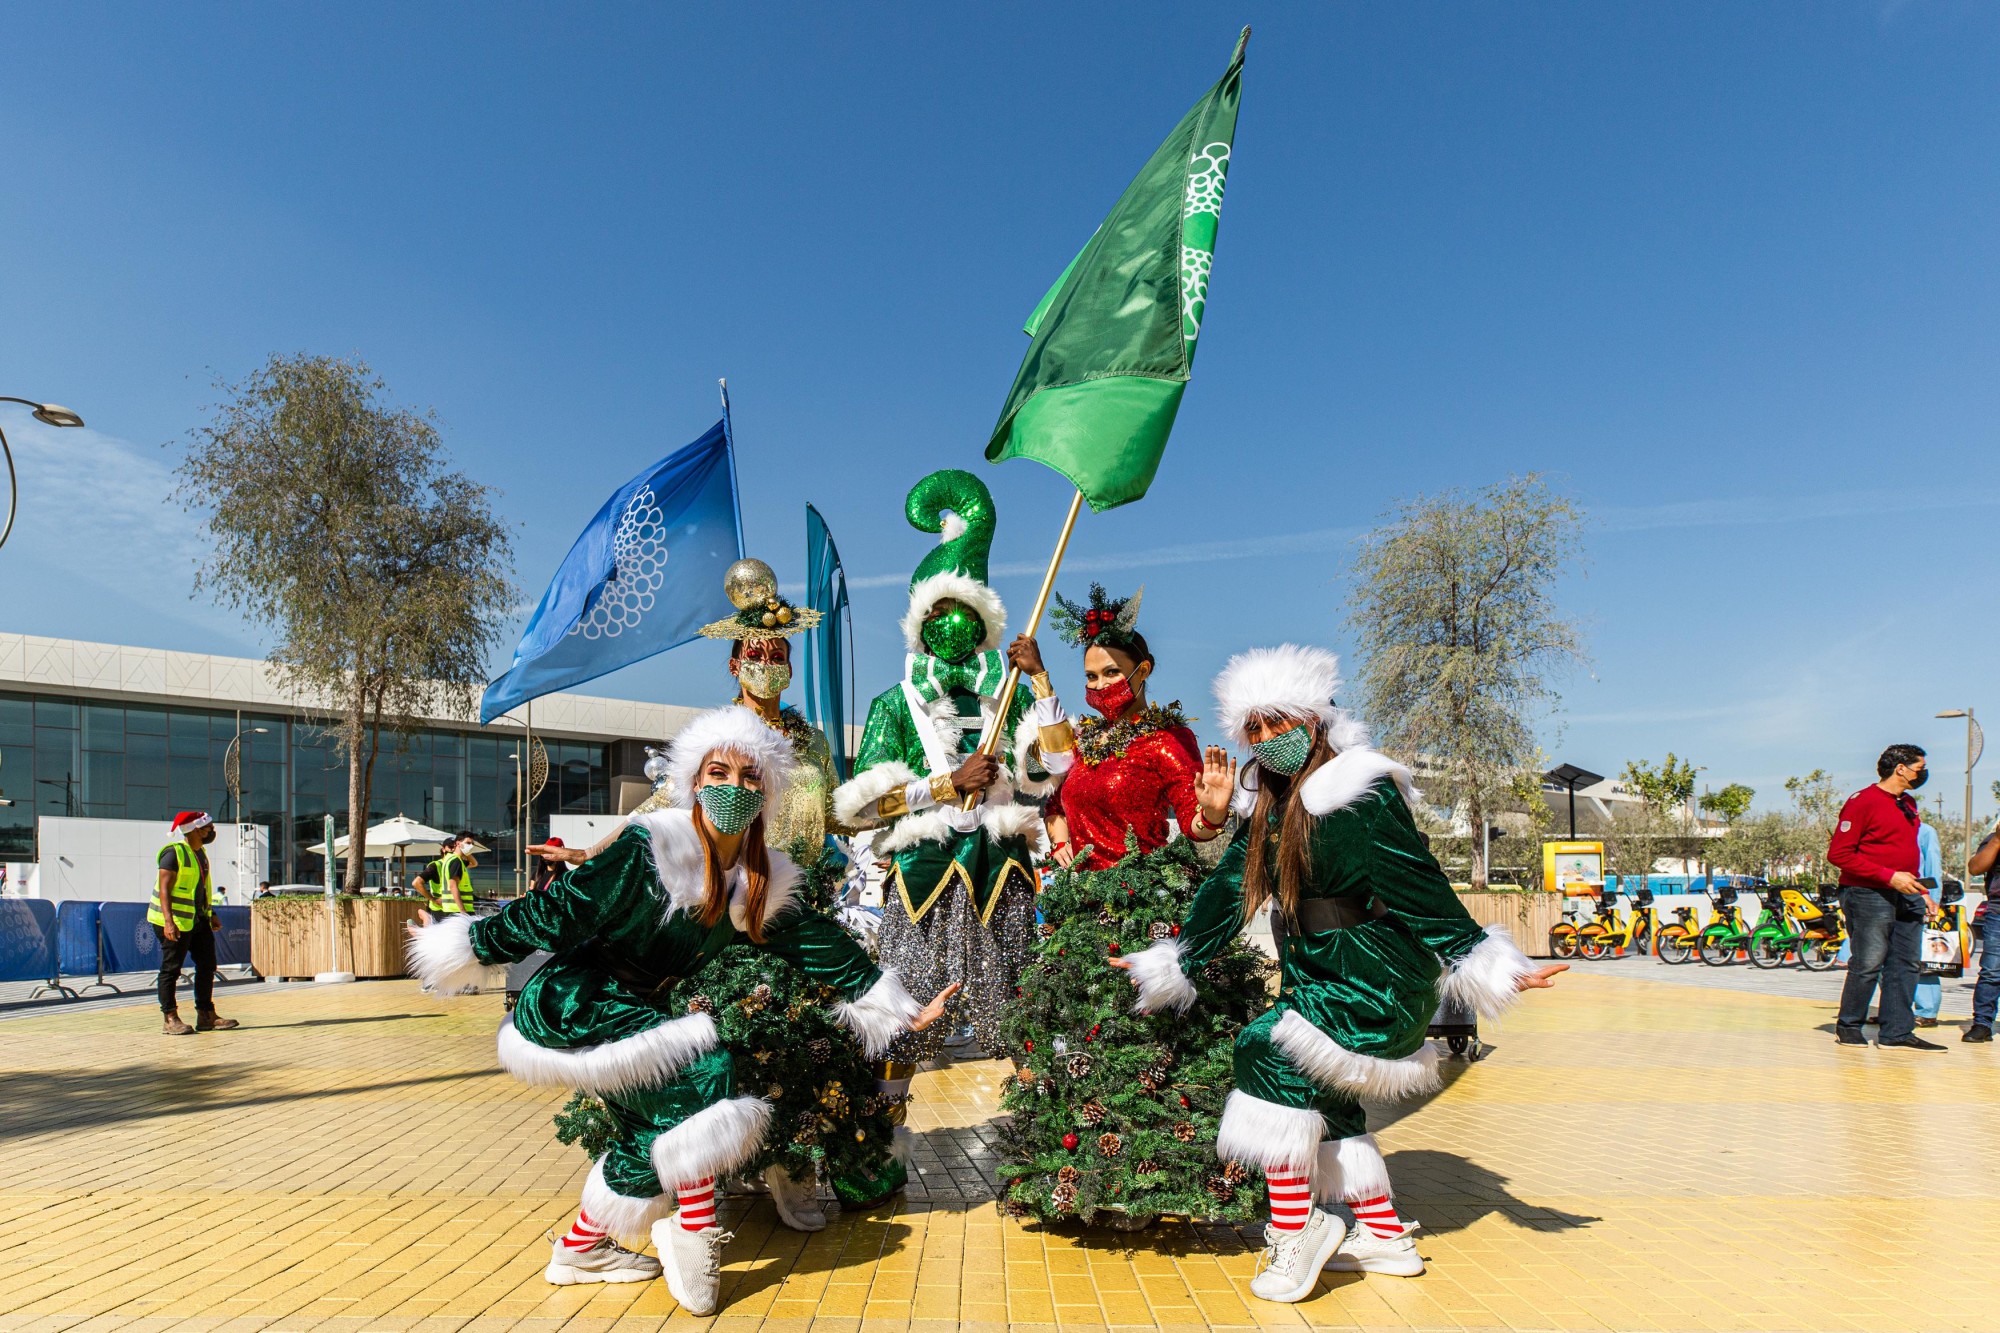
876, 1008
1214, 918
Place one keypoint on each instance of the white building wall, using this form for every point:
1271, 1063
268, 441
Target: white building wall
117, 860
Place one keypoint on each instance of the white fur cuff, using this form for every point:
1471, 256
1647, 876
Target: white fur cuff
854, 800
1364, 1077
1351, 1170
879, 1016
1267, 1135
643, 1060
1487, 979
626, 1218
440, 955
712, 1142
1162, 983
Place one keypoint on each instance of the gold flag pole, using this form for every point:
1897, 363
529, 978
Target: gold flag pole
991, 745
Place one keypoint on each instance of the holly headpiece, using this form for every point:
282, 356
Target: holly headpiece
1104, 623
752, 588
957, 505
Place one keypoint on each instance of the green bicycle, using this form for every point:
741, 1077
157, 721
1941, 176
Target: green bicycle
1725, 935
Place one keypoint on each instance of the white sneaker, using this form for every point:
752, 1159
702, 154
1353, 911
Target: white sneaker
1292, 1260
691, 1262
797, 1200
602, 1262
1365, 1252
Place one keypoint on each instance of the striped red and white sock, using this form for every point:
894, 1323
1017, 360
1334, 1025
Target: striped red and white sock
584, 1233
1291, 1196
1379, 1216
697, 1203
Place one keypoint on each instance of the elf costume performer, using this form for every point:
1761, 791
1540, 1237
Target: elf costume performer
675, 889
960, 900
1114, 1115
1369, 932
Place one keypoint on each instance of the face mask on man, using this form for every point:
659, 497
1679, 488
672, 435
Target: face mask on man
766, 680
730, 808
955, 635
1923, 776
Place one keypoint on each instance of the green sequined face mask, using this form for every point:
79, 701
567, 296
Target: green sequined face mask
1285, 752
730, 808
955, 635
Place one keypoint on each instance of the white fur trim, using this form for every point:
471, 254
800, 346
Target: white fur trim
1027, 741
642, 1060
737, 729
1351, 1170
1337, 1069
712, 1142
626, 1218
1484, 979
1009, 821
928, 592
440, 955
880, 1015
1350, 775
1002, 821
854, 800
1267, 1135
1290, 679
1162, 983
682, 875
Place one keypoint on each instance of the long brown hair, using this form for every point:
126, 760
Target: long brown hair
756, 876
1294, 836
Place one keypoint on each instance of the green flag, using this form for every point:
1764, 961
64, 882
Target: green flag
1096, 395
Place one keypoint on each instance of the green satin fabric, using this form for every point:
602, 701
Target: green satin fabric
1372, 987
924, 871
1268, 1074
644, 1114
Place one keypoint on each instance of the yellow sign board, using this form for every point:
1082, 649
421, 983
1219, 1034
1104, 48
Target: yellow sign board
1573, 867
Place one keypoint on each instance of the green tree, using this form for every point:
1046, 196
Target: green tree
379, 575
1730, 804
1454, 609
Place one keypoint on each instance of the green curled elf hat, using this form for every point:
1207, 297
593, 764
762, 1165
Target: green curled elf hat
957, 505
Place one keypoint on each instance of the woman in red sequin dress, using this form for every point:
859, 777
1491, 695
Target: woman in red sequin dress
1114, 1114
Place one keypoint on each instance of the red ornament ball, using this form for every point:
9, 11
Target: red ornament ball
1177, 930
1031, 1043
1184, 1100
1070, 1141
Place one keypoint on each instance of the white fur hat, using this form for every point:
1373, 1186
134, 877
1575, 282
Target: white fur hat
730, 728
1290, 680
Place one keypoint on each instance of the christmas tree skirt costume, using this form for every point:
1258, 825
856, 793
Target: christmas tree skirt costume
1115, 1114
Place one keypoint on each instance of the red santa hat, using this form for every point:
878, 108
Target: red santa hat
188, 820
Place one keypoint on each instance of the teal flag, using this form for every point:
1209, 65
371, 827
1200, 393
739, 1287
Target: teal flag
1112, 341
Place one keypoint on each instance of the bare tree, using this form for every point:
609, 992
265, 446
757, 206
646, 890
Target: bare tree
379, 574
1461, 641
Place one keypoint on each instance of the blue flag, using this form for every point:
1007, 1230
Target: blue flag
826, 592
643, 577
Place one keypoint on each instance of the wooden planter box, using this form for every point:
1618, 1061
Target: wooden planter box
288, 936
1528, 917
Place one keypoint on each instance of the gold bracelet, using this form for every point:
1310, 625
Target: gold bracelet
893, 805
1040, 684
941, 789
1058, 739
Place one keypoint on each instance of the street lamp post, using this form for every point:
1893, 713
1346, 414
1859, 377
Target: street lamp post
1975, 745
232, 775
49, 414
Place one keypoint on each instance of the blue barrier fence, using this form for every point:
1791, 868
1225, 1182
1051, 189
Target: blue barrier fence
42, 941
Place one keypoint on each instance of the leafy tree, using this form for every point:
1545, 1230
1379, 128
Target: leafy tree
1461, 640
1730, 804
1659, 827
379, 574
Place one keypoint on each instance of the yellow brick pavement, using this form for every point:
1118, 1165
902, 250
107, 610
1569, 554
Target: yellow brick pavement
1632, 1156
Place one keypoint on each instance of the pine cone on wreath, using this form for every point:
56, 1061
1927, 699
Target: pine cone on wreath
806, 1137
1110, 1144
701, 1004
1104, 917
820, 1049
1047, 929
1234, 1172
1220, 1190
1079, 1065
1093, 1112
1184, 1132
1069, 1175
1145, 1166
1160, 930
1015, 1208
1064, 1198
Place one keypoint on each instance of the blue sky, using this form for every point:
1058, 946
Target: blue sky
1726, 273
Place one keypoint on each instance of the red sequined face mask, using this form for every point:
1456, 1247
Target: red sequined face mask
1111, 700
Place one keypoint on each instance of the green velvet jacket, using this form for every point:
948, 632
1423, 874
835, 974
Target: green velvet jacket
629, 916
1373, 987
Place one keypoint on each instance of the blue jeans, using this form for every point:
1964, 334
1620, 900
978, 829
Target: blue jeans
1986, 995
1928, 999
1886, 930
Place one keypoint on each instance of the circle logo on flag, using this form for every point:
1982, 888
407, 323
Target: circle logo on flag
639, 567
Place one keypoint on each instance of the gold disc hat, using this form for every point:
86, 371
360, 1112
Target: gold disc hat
752, 588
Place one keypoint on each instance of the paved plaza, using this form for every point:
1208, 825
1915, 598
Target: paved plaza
1632, 1154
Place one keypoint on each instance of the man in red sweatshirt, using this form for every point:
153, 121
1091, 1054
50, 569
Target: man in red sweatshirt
1875, 849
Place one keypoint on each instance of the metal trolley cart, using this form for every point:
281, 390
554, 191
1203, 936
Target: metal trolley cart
1458, 1026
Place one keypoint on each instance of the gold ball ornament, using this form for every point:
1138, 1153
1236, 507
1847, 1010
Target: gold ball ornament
784, 615
770, 621
749, 582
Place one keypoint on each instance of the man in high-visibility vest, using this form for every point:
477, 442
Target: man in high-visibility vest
446, 883
183, 917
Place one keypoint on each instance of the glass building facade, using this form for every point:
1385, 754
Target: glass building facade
113, 760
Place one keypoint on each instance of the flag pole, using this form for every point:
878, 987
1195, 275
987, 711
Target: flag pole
991, 745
